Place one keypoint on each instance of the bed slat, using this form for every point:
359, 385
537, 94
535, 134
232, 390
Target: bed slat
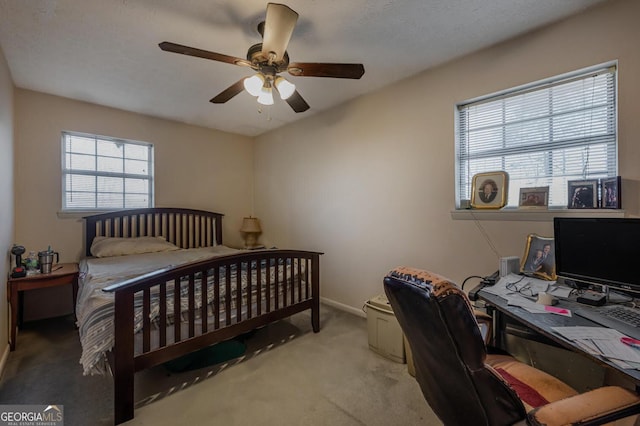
228, 294
185, 228
177, 310
204, 293
192, 306
249, 289
216, 297
163, 314
146, 321
259, 288
238, 290
268, 292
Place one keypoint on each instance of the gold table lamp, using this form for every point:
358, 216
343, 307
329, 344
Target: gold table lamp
251, 230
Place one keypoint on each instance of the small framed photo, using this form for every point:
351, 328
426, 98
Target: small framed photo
489, 190
534, 198
610, 190
539, 257
583, 194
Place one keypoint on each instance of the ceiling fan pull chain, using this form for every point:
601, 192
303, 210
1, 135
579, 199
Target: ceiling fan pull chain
266, 109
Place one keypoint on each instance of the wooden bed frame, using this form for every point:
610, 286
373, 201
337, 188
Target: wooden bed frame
191, 229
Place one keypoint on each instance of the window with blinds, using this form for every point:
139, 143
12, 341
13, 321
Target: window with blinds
543, 135
102, 173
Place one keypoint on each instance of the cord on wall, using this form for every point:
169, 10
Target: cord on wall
485, 235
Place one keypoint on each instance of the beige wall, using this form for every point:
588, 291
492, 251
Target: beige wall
371, 184
6, 195
194, 167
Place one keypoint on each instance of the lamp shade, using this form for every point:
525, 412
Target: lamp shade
285, 88
250, 225
266, 96
253, 84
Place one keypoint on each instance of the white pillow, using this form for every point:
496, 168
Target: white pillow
116, 246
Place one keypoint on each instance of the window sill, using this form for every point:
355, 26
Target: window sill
531, 215
78, 214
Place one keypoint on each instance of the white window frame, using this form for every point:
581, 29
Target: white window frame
557, 182
97, 174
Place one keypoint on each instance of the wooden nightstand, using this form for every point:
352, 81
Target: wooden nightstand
61, 274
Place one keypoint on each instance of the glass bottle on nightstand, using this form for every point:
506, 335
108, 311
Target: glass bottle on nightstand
31, 262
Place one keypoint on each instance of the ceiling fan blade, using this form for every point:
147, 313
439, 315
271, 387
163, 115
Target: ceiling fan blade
199, 53
278, 27
297, 102
229, 92
313, 69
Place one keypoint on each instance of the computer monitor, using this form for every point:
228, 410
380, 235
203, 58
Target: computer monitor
602, 251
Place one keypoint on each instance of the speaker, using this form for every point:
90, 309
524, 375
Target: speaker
509, 265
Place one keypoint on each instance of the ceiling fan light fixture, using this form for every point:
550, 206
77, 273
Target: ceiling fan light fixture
285, 87
254, 84
266, 96
269, 58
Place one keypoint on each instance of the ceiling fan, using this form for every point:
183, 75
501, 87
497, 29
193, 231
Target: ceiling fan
269, 59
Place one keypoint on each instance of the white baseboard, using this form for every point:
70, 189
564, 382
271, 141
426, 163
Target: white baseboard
343, 307
3, 360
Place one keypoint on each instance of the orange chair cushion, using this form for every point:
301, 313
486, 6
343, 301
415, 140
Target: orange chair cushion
534, 387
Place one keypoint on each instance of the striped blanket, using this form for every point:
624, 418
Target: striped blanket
95, 307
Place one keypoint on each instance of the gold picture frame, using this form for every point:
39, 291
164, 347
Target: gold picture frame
539, 258
489, 190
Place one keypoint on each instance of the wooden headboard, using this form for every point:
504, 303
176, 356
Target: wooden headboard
185, 228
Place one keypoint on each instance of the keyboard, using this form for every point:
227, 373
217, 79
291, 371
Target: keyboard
622, 318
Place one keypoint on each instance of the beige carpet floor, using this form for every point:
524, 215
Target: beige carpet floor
288, 376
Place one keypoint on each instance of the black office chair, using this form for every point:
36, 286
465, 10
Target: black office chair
466, 386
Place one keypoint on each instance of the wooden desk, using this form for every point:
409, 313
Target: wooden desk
61, 274
542, 323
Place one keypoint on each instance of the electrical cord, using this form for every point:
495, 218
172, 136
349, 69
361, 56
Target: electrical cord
488, 280
469, 277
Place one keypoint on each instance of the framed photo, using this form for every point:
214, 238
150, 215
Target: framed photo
534, 198
489, 190
583, 194
539, 257
610, 190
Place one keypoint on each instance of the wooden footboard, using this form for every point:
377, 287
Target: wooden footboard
177, 311
171, 312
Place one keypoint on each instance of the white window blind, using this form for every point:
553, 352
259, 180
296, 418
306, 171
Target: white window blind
101, 173
544, 135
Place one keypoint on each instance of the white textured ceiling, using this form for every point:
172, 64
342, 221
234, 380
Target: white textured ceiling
106, 51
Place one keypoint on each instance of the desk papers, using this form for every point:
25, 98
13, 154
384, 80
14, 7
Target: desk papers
500, 288
505, 289
602, 341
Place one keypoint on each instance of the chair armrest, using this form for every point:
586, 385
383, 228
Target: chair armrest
595, 407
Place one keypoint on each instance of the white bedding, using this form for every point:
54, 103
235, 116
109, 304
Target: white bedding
94, 309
